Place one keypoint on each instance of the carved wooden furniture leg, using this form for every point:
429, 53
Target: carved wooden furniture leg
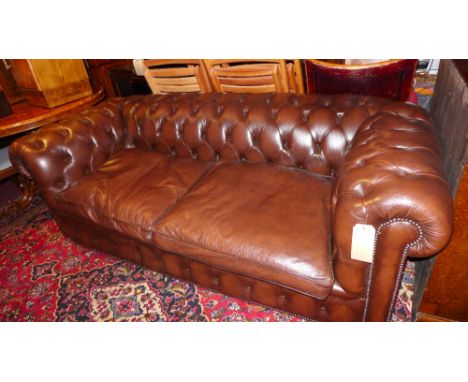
5, 174
28, 189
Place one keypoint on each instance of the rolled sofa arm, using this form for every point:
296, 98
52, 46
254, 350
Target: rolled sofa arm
57, 155
391, 178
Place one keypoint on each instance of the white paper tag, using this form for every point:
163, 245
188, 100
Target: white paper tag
362, 244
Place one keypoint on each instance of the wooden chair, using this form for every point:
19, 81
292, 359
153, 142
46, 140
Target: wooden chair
174, 76
389, 79
295, 77
255, 76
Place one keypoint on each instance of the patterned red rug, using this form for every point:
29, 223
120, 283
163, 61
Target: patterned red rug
44, 276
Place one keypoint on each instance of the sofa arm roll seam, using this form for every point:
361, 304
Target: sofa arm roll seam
70, 148
403, 257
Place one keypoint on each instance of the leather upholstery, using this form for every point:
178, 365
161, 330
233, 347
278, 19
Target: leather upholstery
266, 221
152, 183
336, 307
64, 152
391, 174
380, 156
310, 132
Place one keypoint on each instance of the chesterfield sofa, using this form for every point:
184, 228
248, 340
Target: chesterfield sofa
252, 195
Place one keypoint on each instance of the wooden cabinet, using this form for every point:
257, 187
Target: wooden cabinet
51, 83
100, 73
8, 84
116, 77
446, 294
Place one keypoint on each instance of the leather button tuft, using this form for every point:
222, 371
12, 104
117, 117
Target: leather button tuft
282, 300
38, 144
195, 109
63, 132
358, 190
402, 172
360, 163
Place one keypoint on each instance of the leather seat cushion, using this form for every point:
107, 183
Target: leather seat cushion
130, 191
261, 220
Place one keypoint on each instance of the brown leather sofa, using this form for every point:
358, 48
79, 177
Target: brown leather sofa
252, 195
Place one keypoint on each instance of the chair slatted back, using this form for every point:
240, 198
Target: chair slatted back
254, 75
176, 76
257, 78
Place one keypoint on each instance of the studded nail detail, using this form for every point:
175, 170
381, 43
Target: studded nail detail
401, 266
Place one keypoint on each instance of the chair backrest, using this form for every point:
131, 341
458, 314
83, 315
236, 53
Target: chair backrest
256, 78
295, 77
389, 79
176, 76
255, 75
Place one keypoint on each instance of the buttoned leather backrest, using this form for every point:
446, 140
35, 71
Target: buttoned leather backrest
61, 153
305, 131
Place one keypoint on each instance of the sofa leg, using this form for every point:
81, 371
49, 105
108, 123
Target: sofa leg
28, 189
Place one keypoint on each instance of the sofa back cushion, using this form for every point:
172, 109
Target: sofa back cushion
310, 132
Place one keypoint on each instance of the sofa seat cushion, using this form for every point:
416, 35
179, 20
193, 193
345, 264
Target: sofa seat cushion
130, 191
261, 220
